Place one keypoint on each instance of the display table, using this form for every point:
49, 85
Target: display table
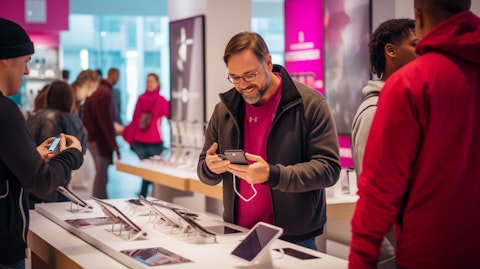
60, 245
54, 247
339, 207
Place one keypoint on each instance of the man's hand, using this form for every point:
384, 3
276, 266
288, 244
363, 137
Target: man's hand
257, 172
73, 142
214, 163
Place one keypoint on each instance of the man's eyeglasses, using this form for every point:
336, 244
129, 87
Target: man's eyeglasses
247, 77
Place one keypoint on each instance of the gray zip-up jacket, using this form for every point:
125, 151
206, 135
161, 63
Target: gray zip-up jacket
302, 150
363, 120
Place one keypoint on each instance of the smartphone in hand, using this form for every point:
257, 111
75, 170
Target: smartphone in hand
55, 144
236, 156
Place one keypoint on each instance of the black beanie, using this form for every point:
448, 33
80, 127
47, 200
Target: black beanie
14, 41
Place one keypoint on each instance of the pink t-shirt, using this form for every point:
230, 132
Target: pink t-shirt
258, 121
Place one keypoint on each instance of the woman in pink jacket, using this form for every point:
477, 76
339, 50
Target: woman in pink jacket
144, 132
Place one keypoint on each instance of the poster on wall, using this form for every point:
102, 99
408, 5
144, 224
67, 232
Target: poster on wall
347, 25
303, 42
187, 70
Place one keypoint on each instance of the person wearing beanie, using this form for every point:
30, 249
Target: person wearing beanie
45, 170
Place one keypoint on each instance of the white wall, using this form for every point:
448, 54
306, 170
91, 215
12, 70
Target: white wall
383, 10
223, 19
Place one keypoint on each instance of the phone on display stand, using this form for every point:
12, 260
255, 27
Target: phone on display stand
73, 197
55, 144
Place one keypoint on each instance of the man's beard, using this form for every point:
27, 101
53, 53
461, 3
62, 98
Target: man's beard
260, 93
253, 100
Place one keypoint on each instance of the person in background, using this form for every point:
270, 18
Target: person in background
117, 106
99, 122
24, 166
391, 46
419, 168
290, 141
143, 134
84, 86
40, 100
65, 75
56, 118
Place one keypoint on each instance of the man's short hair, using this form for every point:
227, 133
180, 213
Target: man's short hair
243, 41
391, 31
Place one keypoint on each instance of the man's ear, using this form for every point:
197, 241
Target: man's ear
419, 20
5, 61
390, 50
268, 61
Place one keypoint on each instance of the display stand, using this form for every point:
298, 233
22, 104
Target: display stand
264, 261
117, 217
131, 235
181, 253
198, 233
78, 208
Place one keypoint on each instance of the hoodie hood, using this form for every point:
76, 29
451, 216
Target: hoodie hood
373, 86
149, 99
458, 35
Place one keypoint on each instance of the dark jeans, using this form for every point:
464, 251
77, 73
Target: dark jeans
309, 243
15, 265
145, 151
101, 176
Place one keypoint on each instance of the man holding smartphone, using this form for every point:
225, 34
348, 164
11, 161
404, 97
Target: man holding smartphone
24, 166
290, 141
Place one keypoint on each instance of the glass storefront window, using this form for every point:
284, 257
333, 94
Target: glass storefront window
136, 45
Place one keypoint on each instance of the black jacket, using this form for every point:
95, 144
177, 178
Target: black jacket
302, 150
22, 167
50, 122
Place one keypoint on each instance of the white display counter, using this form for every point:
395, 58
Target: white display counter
339, 207
61, 249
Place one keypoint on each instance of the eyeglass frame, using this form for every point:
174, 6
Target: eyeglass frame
244, 77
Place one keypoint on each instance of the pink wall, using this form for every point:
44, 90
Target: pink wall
304, 52
47, 33
304, 41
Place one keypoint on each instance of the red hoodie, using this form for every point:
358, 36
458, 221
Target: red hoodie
419, 169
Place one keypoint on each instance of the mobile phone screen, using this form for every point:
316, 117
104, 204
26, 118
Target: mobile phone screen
54, 144
298, 254
222, 229
257, 240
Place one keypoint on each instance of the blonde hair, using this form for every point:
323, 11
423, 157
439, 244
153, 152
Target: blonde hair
86, 76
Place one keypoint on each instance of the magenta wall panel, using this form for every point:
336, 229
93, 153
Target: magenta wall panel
304, 41
46, 33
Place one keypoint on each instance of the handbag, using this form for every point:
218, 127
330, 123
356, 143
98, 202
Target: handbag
145, 120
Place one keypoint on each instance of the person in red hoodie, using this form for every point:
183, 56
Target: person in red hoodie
419, 169
143, 133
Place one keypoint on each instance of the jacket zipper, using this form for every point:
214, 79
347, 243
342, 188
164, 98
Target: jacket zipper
24, 228
291, 105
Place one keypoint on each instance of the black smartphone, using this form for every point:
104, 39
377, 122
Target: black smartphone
135, 202
298, 254
236, 156
221, 229
55, 143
